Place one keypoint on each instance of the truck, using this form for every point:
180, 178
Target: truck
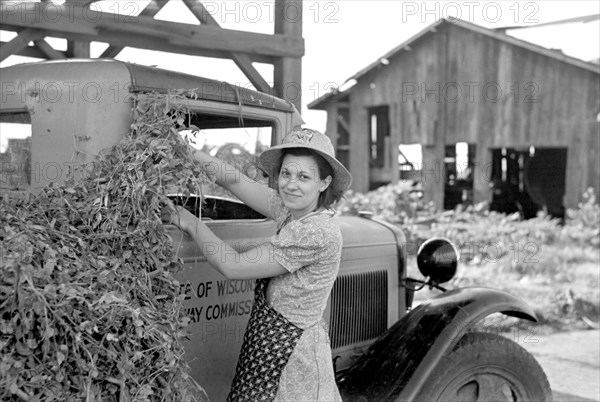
383, 346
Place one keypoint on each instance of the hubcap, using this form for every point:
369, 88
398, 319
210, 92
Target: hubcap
484, 384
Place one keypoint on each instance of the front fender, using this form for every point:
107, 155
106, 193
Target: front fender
398, 363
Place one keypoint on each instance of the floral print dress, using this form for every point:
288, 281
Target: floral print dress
310, 249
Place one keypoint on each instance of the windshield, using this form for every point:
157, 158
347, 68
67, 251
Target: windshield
238, 146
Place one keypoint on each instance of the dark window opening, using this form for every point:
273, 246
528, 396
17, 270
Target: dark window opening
379, 136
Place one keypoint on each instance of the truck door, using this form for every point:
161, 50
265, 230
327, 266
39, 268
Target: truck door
218, 309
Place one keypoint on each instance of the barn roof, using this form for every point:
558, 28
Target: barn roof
431, 29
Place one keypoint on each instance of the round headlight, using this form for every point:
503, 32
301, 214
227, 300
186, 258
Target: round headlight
437, 259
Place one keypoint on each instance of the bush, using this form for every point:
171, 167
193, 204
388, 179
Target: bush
90, 308
583, 223
396, 203
551, 264
478, 232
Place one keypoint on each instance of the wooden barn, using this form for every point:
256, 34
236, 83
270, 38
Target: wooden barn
472, 115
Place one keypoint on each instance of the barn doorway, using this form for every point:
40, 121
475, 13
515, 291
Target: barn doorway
529, 180
459, 168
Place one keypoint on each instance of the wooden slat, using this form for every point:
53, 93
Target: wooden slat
243, 61
153, 43
75, 26
81, 2
32, 51
149, 11
48, 50
18, 43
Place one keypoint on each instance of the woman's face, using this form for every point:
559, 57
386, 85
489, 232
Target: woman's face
300, 184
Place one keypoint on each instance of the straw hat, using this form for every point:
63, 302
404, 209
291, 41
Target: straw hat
315, 141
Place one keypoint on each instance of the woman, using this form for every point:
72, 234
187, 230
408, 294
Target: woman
286, 353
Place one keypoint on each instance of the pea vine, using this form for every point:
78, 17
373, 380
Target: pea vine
89, 306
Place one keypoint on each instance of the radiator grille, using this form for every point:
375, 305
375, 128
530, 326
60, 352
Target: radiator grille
358, 308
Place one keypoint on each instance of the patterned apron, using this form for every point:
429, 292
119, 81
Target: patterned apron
268, 343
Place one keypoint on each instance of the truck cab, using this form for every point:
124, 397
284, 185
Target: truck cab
58, 115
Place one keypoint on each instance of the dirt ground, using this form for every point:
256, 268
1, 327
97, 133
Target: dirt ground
571, 361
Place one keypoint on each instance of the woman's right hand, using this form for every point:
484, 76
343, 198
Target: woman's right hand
201, 156
179, 216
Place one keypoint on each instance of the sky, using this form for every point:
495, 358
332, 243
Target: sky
344, 36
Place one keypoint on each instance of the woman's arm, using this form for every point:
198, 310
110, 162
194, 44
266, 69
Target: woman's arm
251, 192
252, 264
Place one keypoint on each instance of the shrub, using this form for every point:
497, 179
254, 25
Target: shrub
90, 308
583, 223
552, 264
396, 203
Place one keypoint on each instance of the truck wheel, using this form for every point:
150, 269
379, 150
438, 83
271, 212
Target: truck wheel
487, 367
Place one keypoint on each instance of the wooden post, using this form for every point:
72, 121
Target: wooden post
394, 142
288, 70
78, 49
482, 173
432, 177
359, 146
332, 125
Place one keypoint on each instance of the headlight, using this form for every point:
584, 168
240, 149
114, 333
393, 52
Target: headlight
437, 259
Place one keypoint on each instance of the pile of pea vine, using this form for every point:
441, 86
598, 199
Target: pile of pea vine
89, 306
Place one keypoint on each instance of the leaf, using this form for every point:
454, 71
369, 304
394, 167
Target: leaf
110, 298
60, 357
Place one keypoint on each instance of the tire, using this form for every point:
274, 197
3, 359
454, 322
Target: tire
487, 367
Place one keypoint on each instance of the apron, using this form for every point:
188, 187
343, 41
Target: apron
268, 343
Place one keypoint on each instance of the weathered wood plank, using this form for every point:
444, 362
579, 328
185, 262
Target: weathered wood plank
48, 51
32, 51
99, 26
20, 42
150, 10
331, 129
81, 2
243, 61
359, 141
288, 69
